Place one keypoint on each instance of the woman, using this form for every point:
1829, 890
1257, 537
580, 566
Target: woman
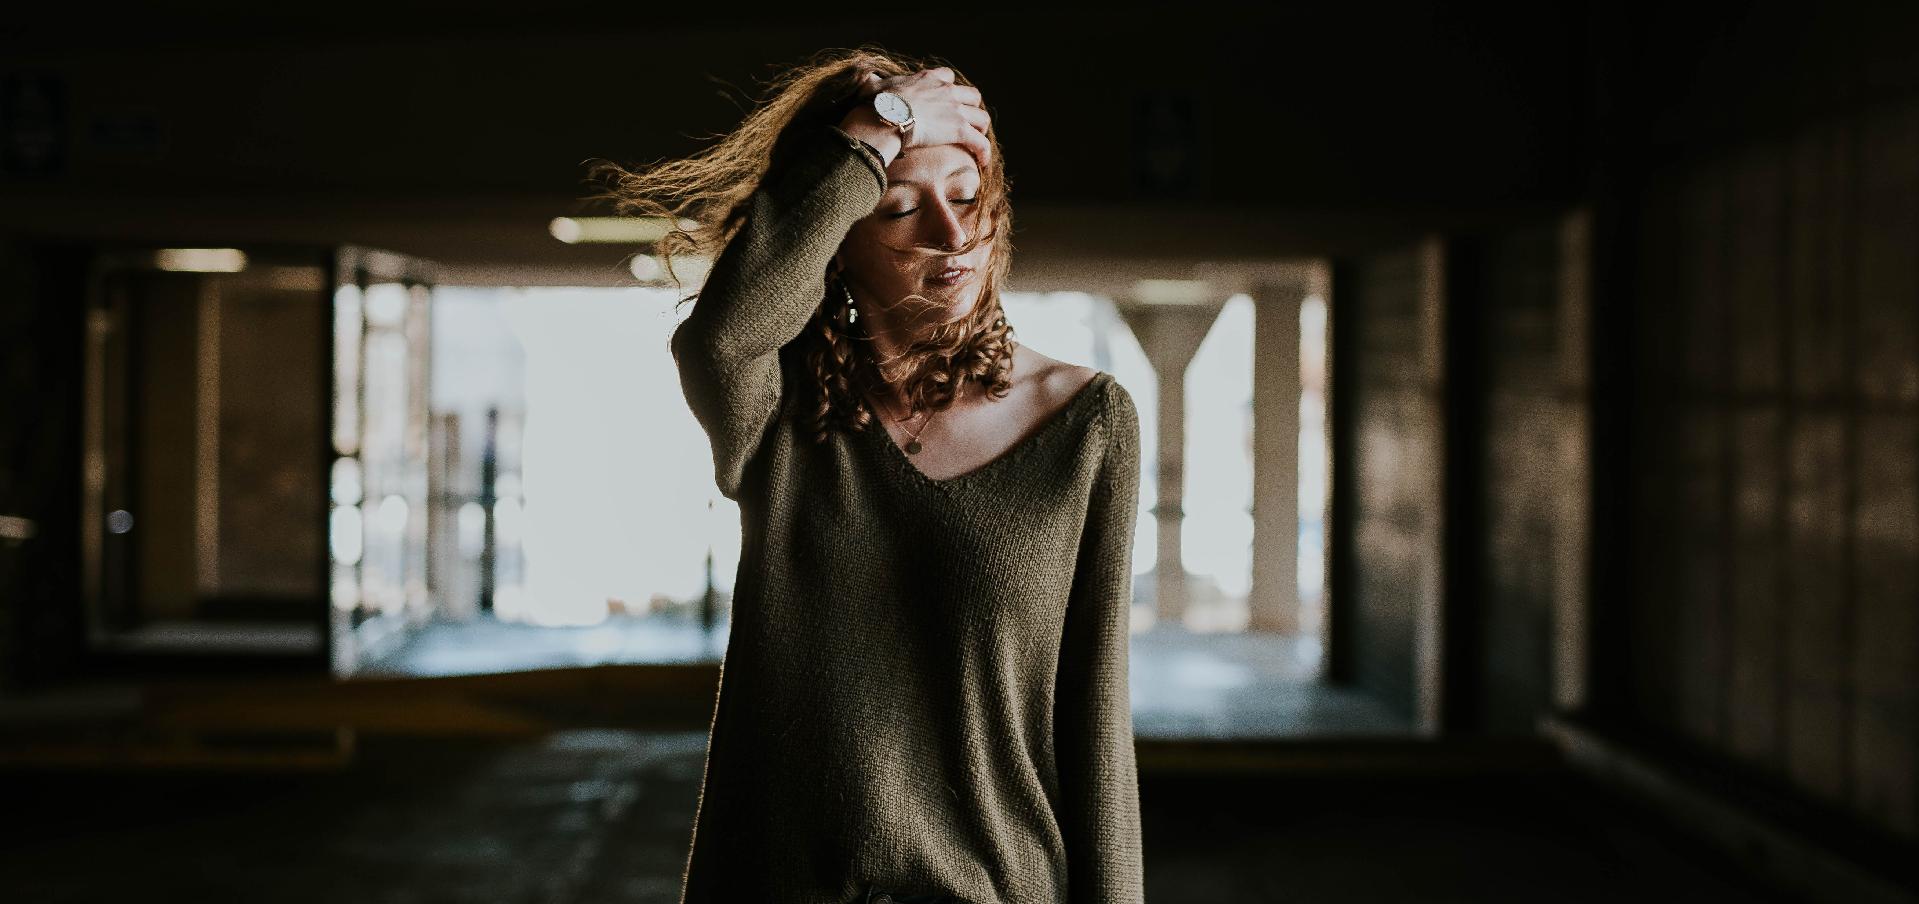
923, 696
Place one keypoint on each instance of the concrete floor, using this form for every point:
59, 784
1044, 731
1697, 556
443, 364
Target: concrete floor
1184, 684
603, 816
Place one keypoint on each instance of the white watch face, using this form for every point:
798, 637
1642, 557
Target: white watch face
892, 107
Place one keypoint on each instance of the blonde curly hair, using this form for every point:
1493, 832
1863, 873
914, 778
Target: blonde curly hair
706, 196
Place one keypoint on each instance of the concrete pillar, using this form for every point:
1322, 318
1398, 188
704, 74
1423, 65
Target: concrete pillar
1572, 605
1274, 599
1170, 334
1435, 625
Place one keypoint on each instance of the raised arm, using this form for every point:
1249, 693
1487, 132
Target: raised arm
763, 287
1092, 714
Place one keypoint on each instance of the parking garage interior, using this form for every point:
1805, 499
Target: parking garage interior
1529, 411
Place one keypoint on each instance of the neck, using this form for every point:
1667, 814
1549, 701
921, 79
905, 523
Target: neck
897, 406
891, 393
887, 337
887, 342
889, 334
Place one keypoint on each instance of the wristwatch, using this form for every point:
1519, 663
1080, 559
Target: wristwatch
895, 111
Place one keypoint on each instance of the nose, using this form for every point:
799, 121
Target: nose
944, 231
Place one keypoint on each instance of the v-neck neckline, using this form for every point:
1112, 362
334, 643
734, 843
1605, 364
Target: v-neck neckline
1080, 397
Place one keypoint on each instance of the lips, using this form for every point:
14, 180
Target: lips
951, 276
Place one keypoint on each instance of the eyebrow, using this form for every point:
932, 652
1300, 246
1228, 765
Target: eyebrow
962, 169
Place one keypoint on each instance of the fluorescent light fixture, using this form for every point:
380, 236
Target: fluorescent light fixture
1175, 291
611, 230
200, 260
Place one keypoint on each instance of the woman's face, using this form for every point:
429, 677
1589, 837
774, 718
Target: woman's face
930, 208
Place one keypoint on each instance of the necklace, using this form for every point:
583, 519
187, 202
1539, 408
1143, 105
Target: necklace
913, 441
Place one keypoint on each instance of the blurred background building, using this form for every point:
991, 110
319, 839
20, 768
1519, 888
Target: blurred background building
1529, 402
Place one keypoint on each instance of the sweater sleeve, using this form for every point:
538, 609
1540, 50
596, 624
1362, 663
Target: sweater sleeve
762, 288
1093, 720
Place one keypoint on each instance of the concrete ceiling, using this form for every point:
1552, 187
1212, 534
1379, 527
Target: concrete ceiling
456, 133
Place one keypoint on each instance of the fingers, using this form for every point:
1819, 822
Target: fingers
940, 77
977, 118
966, 94
975, 123
976, 142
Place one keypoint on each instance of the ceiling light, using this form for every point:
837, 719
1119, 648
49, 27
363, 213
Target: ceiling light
1174, 291
200, 260
612, 230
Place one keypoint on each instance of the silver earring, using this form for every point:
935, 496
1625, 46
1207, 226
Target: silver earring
852, 313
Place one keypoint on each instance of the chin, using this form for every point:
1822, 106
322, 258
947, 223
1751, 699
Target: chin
944, 306
960, 307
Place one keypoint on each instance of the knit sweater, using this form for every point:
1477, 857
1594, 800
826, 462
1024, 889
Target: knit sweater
924, 689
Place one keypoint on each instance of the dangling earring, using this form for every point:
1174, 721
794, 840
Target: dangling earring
852, 313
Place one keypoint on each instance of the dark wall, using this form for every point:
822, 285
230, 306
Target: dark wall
1776, 592
41, 326
1766, 406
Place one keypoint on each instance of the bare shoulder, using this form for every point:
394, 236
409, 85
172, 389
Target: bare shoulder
1052, 381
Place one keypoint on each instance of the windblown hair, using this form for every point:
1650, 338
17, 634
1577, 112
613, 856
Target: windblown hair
706, 197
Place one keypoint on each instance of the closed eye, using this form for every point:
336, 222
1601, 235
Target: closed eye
902, 213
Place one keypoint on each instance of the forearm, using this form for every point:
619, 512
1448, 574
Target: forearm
763, 288
770, 276
865, 124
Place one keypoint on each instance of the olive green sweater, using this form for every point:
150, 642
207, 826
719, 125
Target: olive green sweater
925, 682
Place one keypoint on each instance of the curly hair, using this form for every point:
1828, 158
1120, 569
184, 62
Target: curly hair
705, 197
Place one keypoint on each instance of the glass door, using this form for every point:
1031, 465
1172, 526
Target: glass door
205, 470
377, 523
256, 443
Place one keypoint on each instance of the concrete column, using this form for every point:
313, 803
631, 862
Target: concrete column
1274, 600
1433, 623
1572, 543
1170, 334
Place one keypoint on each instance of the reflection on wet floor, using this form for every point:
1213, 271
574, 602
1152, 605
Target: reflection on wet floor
1184, 684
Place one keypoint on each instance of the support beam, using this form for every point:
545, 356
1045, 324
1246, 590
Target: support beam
1170, 334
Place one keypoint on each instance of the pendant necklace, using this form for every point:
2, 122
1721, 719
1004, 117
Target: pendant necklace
913, 441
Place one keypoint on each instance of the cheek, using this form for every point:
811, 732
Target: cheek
871, 234
865, 247
872, 248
